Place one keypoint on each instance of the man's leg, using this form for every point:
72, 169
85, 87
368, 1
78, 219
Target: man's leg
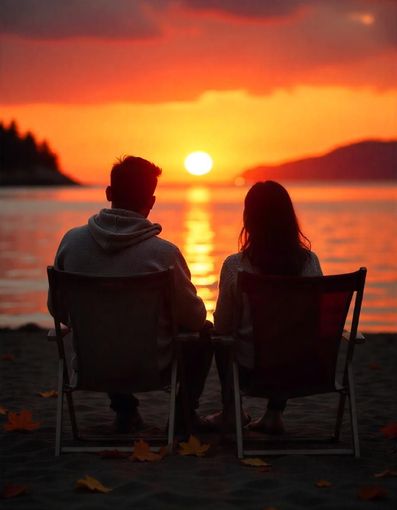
125, 406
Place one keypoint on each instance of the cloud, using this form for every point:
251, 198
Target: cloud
65, 19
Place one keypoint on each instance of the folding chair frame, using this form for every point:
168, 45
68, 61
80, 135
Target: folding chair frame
347, 390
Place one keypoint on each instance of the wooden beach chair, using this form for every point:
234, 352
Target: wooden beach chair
114, 321
298, 325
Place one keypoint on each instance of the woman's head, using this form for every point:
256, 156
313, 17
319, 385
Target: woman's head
271, 236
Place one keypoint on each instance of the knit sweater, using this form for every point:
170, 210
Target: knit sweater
118, 242
226, 303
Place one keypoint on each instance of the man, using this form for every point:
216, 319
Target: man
122, 241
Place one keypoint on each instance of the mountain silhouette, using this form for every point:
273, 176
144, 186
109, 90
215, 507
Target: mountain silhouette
365, 160
26, 162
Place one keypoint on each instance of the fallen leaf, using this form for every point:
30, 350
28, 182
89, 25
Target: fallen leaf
91, 484
322, 484
21, 421
3, 410
112, 454
8, 357
255, 462
372, 492
270, 508
142, 452
386, 473
374, 365
390, 430
48, 394
12, 490
193, 447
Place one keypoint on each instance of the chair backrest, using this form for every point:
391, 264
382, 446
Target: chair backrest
115, 324
297, 328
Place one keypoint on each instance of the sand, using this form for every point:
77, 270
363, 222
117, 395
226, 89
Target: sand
217, 481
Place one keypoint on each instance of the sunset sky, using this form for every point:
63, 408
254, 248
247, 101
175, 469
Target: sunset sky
249, 82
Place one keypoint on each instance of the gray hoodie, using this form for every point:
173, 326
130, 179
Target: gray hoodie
118, 242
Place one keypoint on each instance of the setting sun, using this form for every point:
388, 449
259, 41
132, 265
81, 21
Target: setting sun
198, 163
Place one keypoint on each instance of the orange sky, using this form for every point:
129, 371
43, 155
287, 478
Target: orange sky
249, 82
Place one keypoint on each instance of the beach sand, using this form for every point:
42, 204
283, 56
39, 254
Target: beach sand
217, 481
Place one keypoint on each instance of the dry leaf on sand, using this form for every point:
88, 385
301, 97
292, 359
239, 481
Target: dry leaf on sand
142, 452
390, 430
48, 394
112, 454
92, 485
255, 462
193, 447
12, 490
371, 493
22, 421
7, 357
323, 484
386, 473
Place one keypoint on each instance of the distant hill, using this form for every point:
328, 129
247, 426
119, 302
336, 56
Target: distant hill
26, 162
366, 160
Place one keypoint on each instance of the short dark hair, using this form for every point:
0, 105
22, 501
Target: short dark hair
133, 181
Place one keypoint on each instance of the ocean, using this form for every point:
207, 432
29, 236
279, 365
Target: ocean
350, 225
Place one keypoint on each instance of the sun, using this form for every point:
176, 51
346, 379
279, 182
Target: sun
198, 163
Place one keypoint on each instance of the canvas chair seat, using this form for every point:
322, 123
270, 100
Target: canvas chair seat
298, 325
115, 322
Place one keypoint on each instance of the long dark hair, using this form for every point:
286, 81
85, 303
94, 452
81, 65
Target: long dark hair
271, 237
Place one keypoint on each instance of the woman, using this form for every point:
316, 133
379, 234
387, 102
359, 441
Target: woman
271, 243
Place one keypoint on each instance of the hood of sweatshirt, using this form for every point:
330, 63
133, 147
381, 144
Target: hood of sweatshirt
115, 229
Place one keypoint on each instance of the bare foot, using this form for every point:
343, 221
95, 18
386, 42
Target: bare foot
270, 423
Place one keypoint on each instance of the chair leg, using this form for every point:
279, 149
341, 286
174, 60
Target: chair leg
59, 418
72, 414
353, 412
171, 418
339, 416
237, 405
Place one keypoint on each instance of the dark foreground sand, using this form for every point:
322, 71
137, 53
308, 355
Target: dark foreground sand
217, 481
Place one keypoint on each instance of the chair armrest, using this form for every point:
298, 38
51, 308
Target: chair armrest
360, 338
52, 335
188, 337
223, 339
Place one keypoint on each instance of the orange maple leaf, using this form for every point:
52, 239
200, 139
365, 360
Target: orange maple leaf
3, 410
112, 454
390, 430
8, 357
255, 462
12, 490
372, 492
323, 484
193, 447
21, 421
142, 452
92, 485
48, 394
386, 473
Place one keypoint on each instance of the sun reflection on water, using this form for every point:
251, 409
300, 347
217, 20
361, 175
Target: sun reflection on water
199, 246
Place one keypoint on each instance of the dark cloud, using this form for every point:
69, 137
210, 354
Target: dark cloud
63, 19
249, 8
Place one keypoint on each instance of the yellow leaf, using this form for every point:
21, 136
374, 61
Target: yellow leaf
3, 410
48, 394
21, 421
322, 484
371, 493
386, 473
142, 452
255, 462
193, 447
12, 490
91, 484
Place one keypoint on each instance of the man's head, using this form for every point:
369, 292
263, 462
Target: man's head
133, 182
